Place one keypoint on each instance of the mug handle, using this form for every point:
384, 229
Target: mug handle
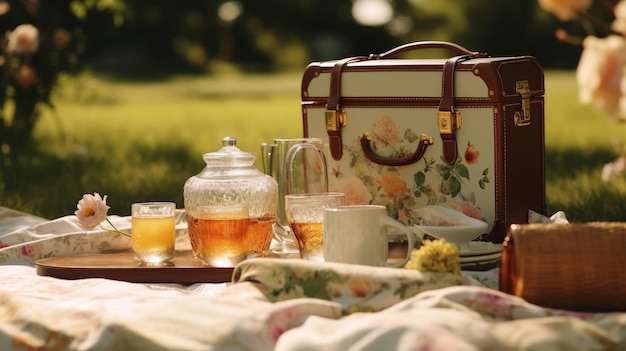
390, 222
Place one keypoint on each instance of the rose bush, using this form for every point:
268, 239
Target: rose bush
39, 40
600, 74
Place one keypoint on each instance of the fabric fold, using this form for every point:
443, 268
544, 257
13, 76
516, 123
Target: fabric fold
356, 288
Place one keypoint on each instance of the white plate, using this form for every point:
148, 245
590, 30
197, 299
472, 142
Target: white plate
481, 258
481, 265
478, 248
455, 234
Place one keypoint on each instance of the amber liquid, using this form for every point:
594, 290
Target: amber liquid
218, 242
259, 235
310, 240
226, 242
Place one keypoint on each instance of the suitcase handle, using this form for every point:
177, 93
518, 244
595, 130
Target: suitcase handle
425, 45
424, 142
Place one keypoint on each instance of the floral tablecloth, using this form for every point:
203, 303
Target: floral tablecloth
271, 304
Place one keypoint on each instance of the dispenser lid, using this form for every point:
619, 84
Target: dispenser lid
229, 155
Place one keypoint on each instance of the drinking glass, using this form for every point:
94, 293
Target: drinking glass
299, 166
153, 231
305, 214
218, 234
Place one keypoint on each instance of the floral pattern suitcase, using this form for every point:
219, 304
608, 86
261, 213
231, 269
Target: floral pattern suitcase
465, 132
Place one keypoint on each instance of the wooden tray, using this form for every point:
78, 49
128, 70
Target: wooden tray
183, 269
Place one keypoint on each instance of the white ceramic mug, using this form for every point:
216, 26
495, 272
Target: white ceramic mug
357, 234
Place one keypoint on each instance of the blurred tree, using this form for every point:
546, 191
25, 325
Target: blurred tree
268, 35
500, 28
210, 35
43, 39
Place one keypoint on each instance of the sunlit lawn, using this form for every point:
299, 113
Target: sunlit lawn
140, 140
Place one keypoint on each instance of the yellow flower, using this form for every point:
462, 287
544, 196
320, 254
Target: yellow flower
92, 211
435, 256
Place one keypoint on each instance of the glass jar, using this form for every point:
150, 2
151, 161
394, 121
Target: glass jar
230, 179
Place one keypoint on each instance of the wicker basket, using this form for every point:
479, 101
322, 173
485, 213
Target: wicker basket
579, 267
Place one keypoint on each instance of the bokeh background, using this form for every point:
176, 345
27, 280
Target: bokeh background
278, 35
127, 95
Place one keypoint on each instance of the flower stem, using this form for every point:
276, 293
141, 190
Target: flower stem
115, 229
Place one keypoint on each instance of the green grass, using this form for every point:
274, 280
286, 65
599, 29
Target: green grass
140, 141
578, 144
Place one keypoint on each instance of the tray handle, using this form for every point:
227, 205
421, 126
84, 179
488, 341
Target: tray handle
424, 142
425, 45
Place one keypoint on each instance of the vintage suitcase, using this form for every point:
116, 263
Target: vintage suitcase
465, 131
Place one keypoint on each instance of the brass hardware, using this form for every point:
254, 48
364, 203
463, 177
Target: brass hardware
331, 121
523, 118
334, 121
520, 119
448, 121
343, 118
476, 71
491, 93
426, 138
306, 94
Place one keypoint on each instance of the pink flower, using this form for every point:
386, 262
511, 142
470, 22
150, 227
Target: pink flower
356, 192
385, 132
23, 40
600, 72
92, 210
279, 322
565, 10
28, 251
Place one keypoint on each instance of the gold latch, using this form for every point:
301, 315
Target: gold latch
523, 118
335, 119
448, 121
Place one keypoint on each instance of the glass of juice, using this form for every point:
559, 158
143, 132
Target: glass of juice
153, 231
218, 234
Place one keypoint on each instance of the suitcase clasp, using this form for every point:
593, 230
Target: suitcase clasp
335, 119
522, 118
448, 121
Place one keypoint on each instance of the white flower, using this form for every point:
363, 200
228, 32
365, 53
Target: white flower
616, 167
619, 24
600, 72
92, 210
23, 40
